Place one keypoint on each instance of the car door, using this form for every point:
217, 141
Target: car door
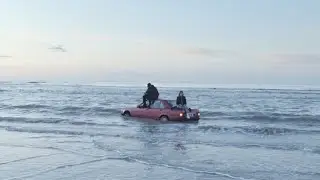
140, 112
155, 110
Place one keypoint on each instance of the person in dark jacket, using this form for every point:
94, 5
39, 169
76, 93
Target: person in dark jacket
181, 99
151, 95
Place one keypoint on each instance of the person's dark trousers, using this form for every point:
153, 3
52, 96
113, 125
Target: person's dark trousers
151, 101
144, 100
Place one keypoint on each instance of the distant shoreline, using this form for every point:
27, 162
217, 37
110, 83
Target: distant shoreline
173, 85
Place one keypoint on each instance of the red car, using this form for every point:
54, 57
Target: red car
163, 110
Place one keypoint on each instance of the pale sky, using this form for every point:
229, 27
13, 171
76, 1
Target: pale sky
205, 41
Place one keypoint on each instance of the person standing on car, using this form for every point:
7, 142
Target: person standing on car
151, 95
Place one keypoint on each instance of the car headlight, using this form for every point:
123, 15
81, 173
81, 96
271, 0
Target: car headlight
198, 114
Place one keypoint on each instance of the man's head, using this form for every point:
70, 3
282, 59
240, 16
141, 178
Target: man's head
181, 93
149, 85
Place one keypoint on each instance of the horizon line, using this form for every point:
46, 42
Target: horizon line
173, 85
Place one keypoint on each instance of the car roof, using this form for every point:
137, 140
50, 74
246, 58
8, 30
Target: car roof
165, 100
161, 99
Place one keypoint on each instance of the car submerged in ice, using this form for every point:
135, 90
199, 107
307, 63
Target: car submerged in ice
164, 110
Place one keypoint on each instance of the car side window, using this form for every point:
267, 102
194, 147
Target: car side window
156, 105
161, 105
